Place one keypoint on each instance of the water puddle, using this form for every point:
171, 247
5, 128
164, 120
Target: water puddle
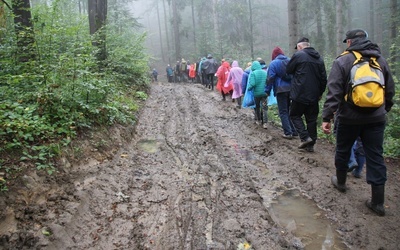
149, 146
306, 221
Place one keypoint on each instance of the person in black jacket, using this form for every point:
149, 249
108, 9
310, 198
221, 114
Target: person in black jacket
307, 86
353, 122
210, 67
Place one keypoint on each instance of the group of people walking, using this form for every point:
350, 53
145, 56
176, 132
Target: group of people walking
298, 83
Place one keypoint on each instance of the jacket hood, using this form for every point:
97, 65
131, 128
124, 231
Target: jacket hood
312, 52
255, 65
365, 47
235, 64
225, 65
282, 57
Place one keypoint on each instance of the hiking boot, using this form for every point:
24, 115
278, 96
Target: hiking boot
306, 142
339, 180
356, 174
265, 126
377, 199
351, 168
289, 137
309, 149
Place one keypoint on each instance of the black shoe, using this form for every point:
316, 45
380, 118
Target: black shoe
306, 142
341, 187
377, 200
309, 149
289, 137
377, 208
351, 168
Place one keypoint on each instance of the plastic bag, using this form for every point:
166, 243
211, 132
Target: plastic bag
272, 99
248, 99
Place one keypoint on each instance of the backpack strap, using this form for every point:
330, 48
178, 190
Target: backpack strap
371, 59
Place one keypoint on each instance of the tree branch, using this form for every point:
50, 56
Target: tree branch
6, 4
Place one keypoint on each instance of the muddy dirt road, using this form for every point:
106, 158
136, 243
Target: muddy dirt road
198, 173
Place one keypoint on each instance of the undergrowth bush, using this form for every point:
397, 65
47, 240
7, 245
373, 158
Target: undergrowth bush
46, 101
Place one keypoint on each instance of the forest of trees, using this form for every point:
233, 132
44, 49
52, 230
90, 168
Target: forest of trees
247, 29
69, 65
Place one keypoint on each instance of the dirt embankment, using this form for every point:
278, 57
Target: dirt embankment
197, 173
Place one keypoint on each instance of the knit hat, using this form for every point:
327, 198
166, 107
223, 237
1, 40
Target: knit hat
277, 51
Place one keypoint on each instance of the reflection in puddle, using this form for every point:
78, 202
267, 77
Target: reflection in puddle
149, 146
306, 221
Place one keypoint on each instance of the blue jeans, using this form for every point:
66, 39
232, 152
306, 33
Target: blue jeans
353, 160
283, 100
372, 139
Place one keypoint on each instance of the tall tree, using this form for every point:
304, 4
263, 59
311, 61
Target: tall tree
159, 31
320, 39
176, 21
251, 31
394, 22
24, 30
3, 19
378, 22
339, 26
194, 27
167, 33
293, 23
372, 19
97, 21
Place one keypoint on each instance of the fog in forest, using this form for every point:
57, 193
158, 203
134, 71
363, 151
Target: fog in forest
248, 29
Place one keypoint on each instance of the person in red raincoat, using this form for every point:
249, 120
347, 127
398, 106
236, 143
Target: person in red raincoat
192, 71
222, 74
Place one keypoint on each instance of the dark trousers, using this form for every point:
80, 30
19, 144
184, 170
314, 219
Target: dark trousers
372, 139
283, 100
261, 109
310, 112
210, 78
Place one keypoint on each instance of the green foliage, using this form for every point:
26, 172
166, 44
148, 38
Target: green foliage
44, 103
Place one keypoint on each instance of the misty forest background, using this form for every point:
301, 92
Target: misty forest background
72, 66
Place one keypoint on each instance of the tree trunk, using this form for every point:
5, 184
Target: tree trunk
194, 29
339, 26
167, 33
320, 40
215, 22
394, 22
176, 16
24, 30
97, 22
3, 20
159, 32
378, 22
251, 31
293, 23
371, 31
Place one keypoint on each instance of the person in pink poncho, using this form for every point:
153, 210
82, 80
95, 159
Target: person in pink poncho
222, 74
235, 78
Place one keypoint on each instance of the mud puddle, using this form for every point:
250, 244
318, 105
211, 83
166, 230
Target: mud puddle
301, 216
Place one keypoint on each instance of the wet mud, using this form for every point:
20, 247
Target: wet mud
197, 173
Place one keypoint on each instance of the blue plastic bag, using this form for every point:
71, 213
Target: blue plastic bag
272, 99
248, 99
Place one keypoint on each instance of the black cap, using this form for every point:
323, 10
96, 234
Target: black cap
301, 40
351, 34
